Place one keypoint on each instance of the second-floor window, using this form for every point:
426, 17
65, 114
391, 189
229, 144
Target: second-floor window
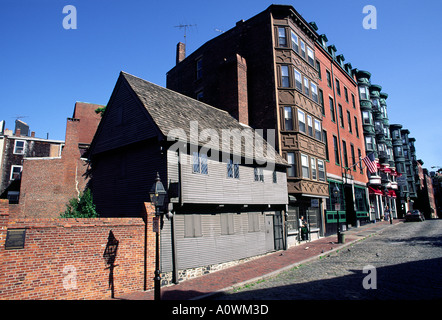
232, 169
301, 121
199, 163
259, 174
19, 147
285, 78
288, 118
291, 171
16, 172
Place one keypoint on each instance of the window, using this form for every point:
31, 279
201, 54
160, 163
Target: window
303, 49
282, 40
310, 125
310, 56
16, 172
313, 165
200, 96
199, 163
192, 226
328, 78
295, 43
227, 223
19, 147
301, 121
321, 101
338, 87
318, 129
369, 143
353, 101
363, 93
291, 171
398, 151
318, 67
356, 127
335, 148
253, 221
199, 68
346, 94
305, 166
298, 83
366, 119
232, 169
349, 122
324, 136
274, 177
321, 170
285, 79
341, 116
344, 149
314, 89
288, 118
306, 87
259, 174
332, 109
360, 157
353, 159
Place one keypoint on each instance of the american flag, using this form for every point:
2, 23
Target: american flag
370, 163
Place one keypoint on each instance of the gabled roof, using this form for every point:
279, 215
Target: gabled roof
174, 114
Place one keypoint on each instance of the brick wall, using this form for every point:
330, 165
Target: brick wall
63, 258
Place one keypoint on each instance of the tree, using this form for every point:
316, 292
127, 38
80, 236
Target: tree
82, 207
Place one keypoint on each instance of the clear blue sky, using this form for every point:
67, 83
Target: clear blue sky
45, 69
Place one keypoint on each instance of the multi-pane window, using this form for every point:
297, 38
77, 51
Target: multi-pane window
305, 166
259, 174
15, 172
310, 56
274, 177
19, 147
306, 87
199, 163
285, 78
310, 125
356, 127
363, 93
332, 109
344, 151
303, 49
314, 89
346, 94
353, 159
328, 78
199, 69
295, 42
349, 122
313, 165
341, 116
366, 119
318, 67
318, 129
321, 101
232, 169
338, 87
288, 118
282, 40
301, 121
324, 136
298, 83
353, 100
321, 170
336, 149
369, 143
291, 171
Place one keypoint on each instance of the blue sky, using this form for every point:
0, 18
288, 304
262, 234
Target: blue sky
45, 69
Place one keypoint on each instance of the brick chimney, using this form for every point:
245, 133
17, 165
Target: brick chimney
243, 103
70, 148
180, 52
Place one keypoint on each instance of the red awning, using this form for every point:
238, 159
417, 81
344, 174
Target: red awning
392, 194
374, 191
387, 170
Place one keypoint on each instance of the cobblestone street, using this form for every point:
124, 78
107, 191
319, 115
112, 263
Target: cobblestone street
407, 260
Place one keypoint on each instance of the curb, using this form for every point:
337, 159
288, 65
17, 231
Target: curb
291, 266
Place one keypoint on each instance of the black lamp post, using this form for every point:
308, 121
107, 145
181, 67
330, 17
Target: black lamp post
336, 193
157, 195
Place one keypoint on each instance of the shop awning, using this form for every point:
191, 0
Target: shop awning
374, 191
392, 194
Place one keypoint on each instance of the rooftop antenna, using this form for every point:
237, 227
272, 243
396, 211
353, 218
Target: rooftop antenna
185, 26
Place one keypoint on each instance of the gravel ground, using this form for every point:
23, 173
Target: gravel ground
404, 262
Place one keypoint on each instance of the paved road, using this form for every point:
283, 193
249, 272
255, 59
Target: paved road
407, 261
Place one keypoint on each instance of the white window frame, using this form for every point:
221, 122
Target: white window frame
288, 118
295, 44
313, 166
12, 171
310, 56
301, 119
291, 171
321, 170
22, 148
314, 89
306, 87
285, 76
318, 129
298, 80
310, 125
305, 165
303, 49
282, 35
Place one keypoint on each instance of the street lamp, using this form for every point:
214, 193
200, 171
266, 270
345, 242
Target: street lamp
336, 193
157, 195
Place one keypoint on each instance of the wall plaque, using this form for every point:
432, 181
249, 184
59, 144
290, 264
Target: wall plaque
15, 239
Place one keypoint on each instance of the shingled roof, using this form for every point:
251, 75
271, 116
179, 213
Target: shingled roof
175, 114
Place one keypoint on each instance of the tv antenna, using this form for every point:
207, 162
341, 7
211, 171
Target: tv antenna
185, 27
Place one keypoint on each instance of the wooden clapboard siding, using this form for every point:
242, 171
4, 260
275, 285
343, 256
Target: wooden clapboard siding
213, 247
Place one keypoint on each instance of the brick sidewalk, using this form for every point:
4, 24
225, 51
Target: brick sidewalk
266, 266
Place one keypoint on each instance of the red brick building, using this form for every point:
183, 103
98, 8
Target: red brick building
343, 135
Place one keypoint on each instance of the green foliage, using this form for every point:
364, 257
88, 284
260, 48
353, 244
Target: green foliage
82, 207
100, 111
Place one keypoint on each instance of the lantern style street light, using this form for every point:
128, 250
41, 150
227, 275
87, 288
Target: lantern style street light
157, 195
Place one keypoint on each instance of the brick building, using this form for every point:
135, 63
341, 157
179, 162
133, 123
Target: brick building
276, 89
343, 135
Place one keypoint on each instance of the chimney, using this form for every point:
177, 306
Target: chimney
18, 132
70, 148
180, 52
33, 134
242, 102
